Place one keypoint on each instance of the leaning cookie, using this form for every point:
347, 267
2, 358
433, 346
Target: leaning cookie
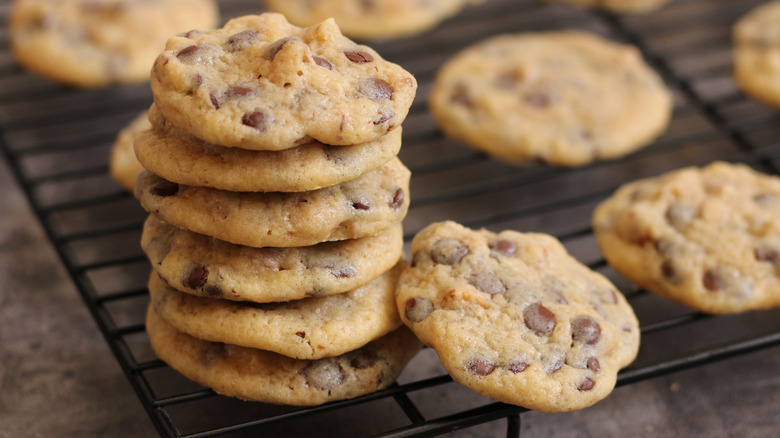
371, 20
707, 238
94, 43
619, 6
179, 157
202, 265
310, 328
756, 52
123, 165
514, 317
258, 375
261, 83
365, 206
566, 98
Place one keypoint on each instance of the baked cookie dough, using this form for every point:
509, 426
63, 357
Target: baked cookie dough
757, 53
95, 43
365, 206
566, 98
202, 265
514, 317
261, 83
707, 238
179, 157
619, 6
311, 328
371, 19
123, 166
259, 375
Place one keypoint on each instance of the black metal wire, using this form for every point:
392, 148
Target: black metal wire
32, 103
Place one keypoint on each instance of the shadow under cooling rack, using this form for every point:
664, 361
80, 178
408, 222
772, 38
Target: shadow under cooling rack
57, 141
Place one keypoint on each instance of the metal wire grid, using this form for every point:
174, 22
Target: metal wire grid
57, 141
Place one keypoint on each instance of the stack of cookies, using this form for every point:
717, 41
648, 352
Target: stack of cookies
276, 202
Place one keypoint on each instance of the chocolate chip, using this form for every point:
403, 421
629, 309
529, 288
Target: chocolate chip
277, 45
727, 278
554, 362
679, 214
363, 359
586, 384
241, 40
214, 101
481, 367
585, 329
197, 277
767, 253
461, 96
711, 281
487, 282
164, 189
383, 117
538, 99
417, 309
448, 251
213, 291
343, 272
358, 56
187, 53
192, 33
504, 247
539, 319
300, 334
376, 89
322, 62
398, 199
323, 374
593, 364
255, 119
238, 91
669, 272
517, 366
360, 206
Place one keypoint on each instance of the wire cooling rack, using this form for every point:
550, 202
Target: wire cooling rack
57, 141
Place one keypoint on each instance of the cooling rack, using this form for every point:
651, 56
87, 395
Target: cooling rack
57, 141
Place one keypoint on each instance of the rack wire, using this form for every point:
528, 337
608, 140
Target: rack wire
57, 141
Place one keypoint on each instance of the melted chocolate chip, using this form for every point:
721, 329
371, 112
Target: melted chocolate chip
277, 45
668, 271
376, 89
711, 281
363, 359
460, 95
197, 277
300, 334
322, 62
504, 247
481, 367
343, 272
241, 40
417, 309
539, 319
487, 282
255, 119
585, 329
586, 384
188, 54
323, 374
358, 56
164, 189
398, 199
213, 291
517, 367
360, 206
594, 365
767, 253
448, 251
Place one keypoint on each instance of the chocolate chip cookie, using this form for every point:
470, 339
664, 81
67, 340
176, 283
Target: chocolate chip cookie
123, 165
259, 375
371, 19
202, 265
708, 238
310, 328
566, 98
365, 206
757, 51
619, 6
261, 83
179, 157
95, 43
514, 317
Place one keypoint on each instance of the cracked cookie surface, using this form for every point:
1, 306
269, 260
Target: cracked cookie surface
261, 83
708, 237
95, 43
566, 98
258, 375
512, 316
179, 157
